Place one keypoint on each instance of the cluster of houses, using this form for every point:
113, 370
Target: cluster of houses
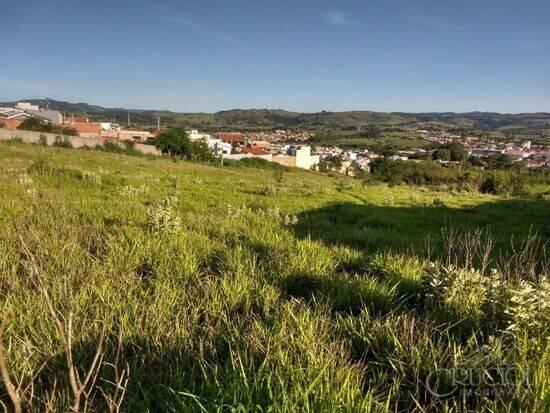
229, 145
533, 156
280, 136
237, 146
273, 146
12, 117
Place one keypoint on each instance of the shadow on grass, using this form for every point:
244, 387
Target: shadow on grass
160, 376
374, 228
344, 294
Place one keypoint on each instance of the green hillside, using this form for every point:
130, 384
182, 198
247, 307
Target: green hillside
238, 289
243, 119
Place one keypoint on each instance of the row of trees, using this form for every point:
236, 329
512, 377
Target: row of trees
176, 143
450, 152
512, 180
456, 152
38, 125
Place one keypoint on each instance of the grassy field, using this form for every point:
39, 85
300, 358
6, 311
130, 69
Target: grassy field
396, 143
140, 284
395, 140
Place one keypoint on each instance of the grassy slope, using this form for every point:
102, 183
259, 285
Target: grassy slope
232, 306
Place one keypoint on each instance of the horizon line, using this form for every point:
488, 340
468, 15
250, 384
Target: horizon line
273, 108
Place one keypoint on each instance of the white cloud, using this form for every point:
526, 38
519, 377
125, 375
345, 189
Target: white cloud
337, 18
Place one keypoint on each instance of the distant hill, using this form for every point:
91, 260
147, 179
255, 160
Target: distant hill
278, 118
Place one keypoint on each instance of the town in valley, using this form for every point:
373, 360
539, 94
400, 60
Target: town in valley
294, 147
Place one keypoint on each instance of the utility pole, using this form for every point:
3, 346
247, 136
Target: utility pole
128, 119
158, 122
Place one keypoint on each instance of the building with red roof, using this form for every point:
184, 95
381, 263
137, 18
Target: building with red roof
254, 150
87, 129
11, 123
230, 137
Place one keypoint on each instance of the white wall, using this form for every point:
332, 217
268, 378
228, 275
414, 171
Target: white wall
239, 156
76, 141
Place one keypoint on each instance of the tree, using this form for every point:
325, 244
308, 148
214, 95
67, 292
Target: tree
38, 125
35, 124
336, 161
458, 152
499, 161
442, 154
476, 161
324, 166
174, 142
200, 151
370, 132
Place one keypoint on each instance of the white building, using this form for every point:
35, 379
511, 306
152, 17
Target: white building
304, 158
299, 156
6, 110
219, 147
107, 126
26, 106
195, 135
350, 155
518, 155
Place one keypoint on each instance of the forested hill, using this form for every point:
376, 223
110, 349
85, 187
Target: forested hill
278, 118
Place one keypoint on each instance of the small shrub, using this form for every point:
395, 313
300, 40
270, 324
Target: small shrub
460, 292
290, 220
497, 298
109, 147
32, 192
127, 149
91, 176
174, 183
268, 190
43, 140
269, 214
279, 176
24, 180
131, 191
62, 142
42, 167
529, 309
161, 215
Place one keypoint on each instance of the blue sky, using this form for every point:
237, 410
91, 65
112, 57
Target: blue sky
212, 55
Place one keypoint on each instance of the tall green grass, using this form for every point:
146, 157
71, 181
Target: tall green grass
201, 292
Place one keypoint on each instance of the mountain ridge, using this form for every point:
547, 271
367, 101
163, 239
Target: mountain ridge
280, 118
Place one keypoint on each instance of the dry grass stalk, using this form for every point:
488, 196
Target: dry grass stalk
13, 392
81, 387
